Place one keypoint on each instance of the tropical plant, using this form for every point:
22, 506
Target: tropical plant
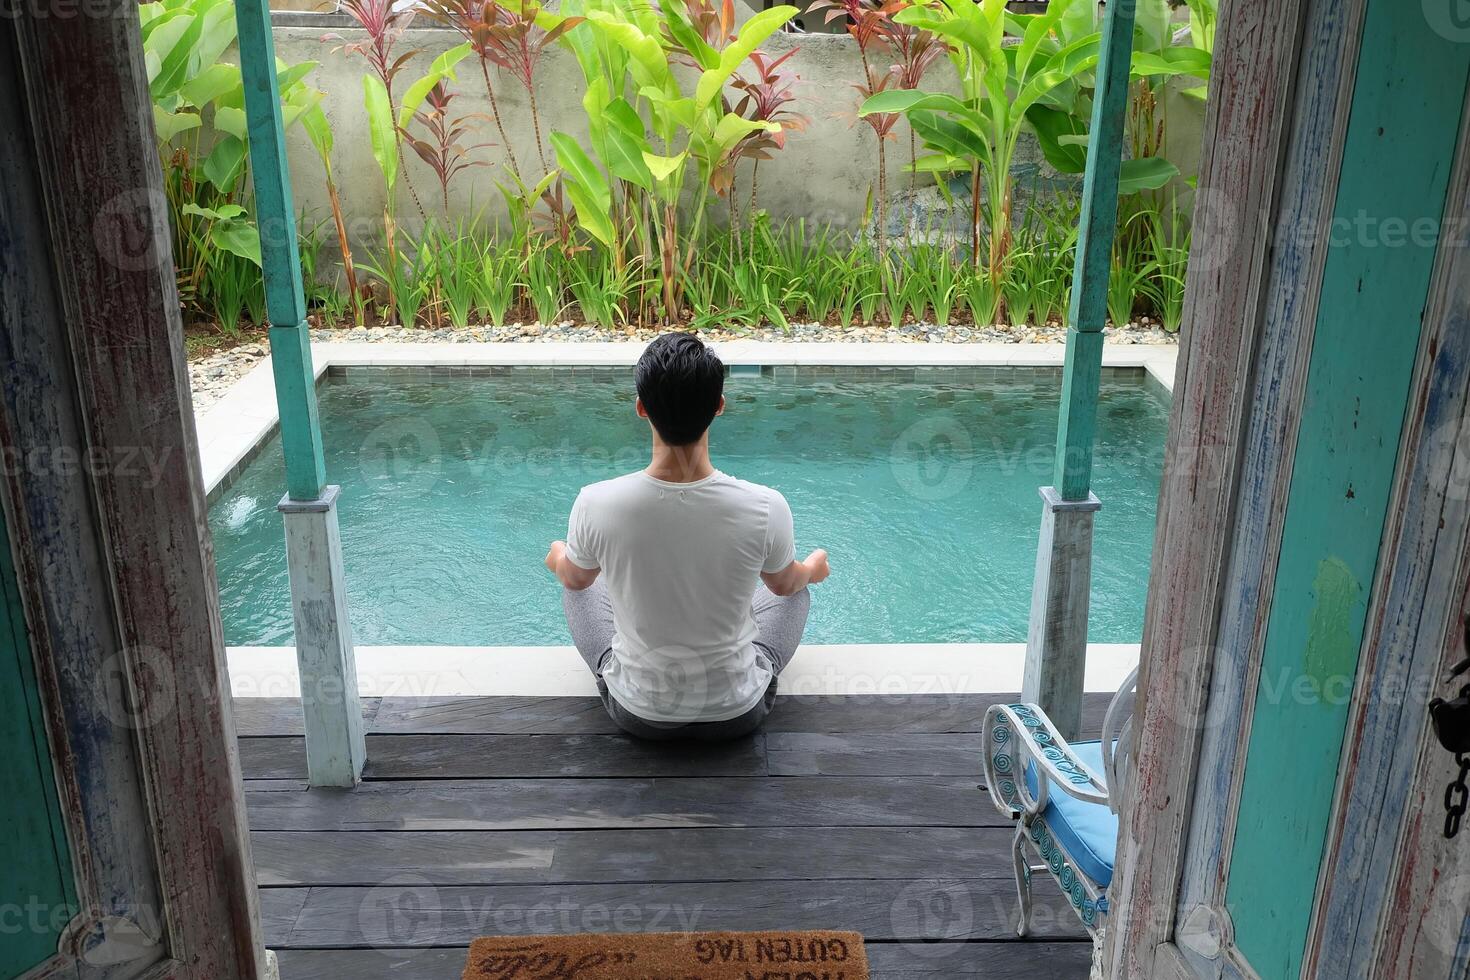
764, 97
443, 151
481, 24
496, 285
1131, 271
867, 22
1168, 238
917, 51
384, 23
694, 128
314, 122
544, 279
203, 144
521, 34
979, 130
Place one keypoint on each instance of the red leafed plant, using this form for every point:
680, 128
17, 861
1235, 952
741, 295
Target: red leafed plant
882, 124
870, 22
384, 26
516, 42
916, 50
443, 151
476, 21
764, 96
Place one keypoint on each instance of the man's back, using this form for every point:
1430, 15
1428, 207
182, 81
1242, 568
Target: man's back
681, 562
680, 584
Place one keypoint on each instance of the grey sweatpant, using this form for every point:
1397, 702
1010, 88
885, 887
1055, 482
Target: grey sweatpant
779, 621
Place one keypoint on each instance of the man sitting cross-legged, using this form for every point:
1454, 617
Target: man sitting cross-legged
663, 569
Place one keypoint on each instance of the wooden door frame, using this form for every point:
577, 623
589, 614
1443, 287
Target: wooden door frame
1318, 114
103, 494
1274, 134
1246, 136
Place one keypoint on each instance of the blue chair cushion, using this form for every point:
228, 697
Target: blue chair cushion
1087, 831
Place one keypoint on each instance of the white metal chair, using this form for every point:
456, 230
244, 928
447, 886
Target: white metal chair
1058, 794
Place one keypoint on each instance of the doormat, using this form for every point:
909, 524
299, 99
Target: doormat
815, 955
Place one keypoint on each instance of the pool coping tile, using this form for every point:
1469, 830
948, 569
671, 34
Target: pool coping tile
843, 669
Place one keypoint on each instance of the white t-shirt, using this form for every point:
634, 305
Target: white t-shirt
681, 562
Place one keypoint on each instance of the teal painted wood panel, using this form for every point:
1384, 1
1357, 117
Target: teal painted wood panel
270, 176
301, 438
1400, 145
1097, 226
35, 863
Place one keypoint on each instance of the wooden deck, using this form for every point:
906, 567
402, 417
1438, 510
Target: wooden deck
533, 815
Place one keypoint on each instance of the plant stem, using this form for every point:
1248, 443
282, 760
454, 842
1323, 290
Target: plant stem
755, 179
667, 254
510, 156
730, 202
882, 197
536, 125
412, 192
975, 217
913, 160
342, 244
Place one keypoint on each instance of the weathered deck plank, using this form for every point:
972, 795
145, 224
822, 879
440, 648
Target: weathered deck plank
917, 714
546, 804
514, 756
426, 757
811, 754
408, 912
671, 855
530, 815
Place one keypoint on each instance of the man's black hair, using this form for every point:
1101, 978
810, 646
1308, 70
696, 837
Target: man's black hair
680, 382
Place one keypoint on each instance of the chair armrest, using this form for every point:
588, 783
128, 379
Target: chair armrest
1019, 735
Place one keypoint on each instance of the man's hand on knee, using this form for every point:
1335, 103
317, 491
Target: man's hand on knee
568, 572
799, 574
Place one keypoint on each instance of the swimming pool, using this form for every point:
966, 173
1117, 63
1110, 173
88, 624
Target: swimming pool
921, 483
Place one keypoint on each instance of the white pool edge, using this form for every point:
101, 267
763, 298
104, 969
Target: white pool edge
886, 669
245, 416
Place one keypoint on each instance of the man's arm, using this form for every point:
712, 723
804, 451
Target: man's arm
571, 575
797, 575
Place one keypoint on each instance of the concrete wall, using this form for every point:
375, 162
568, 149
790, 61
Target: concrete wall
824, 174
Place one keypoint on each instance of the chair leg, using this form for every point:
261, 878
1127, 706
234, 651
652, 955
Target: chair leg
1098, 967
1023, 879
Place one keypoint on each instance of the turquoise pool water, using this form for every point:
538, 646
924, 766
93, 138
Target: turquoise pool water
924, 492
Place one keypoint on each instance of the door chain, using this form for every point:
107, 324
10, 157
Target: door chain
1452, 727
1457, 798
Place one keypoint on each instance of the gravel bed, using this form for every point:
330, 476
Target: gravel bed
212, 375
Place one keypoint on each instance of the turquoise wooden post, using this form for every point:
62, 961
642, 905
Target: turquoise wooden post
334, 738
1056, 643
